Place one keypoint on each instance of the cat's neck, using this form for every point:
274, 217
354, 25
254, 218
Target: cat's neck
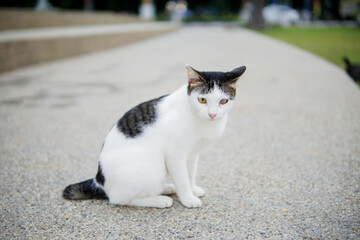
176, 99
183, 106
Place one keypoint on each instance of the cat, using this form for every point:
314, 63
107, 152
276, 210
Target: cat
153, 150
352, 69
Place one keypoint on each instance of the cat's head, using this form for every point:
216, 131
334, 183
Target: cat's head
212, 94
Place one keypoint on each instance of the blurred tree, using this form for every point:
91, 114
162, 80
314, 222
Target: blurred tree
221, 6
117, 5
88, 5
18, 3
330, 9
129, 5
68, 4
257, 21
160, 5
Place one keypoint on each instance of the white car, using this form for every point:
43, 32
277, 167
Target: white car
280, 14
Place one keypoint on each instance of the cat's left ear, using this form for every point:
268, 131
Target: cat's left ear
193, 75
236, 74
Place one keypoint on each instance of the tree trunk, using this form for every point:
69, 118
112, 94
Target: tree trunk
257, 21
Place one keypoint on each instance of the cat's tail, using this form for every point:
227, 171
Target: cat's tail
88, 189
346, 61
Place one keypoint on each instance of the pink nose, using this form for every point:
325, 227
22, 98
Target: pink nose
212, 115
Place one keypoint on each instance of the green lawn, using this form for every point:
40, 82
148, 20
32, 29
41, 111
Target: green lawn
331, 43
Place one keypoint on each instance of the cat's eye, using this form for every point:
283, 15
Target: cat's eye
202, 100
224, 101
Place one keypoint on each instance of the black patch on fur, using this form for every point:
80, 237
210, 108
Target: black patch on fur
224, 80
133, 122
100, 178
84, 190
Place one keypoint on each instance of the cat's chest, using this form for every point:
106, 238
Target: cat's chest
205, 135
186, 127
199, 135
210, 131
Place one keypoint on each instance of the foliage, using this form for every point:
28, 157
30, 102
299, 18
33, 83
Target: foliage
130, 6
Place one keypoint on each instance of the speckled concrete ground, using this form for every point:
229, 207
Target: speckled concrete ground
287, 167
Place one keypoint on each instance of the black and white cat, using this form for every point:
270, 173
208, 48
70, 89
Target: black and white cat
160, 140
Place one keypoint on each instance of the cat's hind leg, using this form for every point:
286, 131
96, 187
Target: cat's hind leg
169, 189
153, 201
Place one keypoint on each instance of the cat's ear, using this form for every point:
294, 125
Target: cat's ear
193, 75
235, 74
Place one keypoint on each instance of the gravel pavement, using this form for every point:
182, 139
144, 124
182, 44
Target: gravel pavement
287, 167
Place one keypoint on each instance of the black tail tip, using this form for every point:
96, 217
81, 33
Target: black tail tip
69, 193
83, 191
77, 191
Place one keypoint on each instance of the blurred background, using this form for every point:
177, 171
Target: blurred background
328, 28
283, 12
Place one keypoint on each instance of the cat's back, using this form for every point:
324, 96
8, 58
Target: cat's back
137, 119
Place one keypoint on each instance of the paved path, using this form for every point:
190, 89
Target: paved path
287, 166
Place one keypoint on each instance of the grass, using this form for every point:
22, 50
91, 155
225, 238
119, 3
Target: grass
331, 43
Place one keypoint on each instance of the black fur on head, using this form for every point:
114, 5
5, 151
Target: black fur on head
204, 82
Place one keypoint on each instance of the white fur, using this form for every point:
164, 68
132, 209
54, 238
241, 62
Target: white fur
136, 169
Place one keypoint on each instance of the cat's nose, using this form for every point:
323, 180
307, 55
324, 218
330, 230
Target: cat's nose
212, 115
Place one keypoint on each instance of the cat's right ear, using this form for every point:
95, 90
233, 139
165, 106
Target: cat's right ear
193, 76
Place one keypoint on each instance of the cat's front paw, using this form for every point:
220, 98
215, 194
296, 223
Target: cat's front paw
191, 202
198, 191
